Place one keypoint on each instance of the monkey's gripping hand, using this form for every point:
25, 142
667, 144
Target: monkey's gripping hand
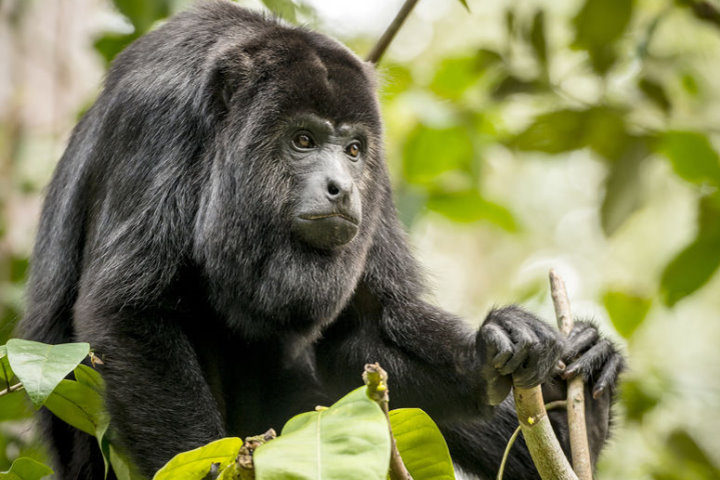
515, 345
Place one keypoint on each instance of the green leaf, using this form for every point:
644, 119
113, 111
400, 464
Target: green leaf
90, 377
691, 156
454, 75
395, 79
349, 440
598, 25
469, 206
40, 367
122, 467
143, 14
285, 9
421, 445
627, 312
622, 195
111, 44
464, 4
600, 128
195, 464
25, 468
697, 263
78, 405
554, 132
430, 152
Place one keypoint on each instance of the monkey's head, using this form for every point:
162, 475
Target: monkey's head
298, 177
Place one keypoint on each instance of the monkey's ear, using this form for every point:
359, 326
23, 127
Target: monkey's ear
230, 72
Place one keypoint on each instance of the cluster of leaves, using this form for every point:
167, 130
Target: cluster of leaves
37, 371
442, 156
348, 440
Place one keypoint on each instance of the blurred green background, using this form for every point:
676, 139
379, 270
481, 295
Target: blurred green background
522, 135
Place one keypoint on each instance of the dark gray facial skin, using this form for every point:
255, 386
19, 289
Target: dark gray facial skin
328, 161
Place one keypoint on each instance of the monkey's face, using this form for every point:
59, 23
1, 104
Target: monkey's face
328, 161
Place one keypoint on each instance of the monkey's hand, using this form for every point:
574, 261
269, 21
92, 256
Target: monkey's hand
592, 356
515, 345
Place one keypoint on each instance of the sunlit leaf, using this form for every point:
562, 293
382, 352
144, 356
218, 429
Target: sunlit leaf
26, 469
469, 206
421, 445
599, 24
454, 75
40, 367
692, 156
627, 311
195, 464
349, 440
430, 152
697, 263
78, 405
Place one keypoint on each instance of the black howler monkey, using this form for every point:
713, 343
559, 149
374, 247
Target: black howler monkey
222, 223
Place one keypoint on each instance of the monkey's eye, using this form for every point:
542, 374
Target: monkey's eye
353, 150
303, 141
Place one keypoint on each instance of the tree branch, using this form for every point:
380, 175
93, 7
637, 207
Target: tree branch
387, 37
376, 380
575, 387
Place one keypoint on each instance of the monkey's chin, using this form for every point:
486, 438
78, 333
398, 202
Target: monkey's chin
326, 231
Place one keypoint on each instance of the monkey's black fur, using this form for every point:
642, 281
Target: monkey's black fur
221, 230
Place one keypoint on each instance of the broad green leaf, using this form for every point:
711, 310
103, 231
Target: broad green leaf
691, 156
90, 377
469, 206
195, 464
40, 367
430, 152
421, 445
641, 396
349, 440
25, 468
622, 195
598, 25
627, 312
697, 263
78, 405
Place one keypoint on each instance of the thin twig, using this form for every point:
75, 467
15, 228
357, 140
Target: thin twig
575, 387
376, 380
387, 37
11, 389
548, 406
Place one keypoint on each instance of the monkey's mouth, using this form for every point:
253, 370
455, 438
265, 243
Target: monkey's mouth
326, 230
310, 216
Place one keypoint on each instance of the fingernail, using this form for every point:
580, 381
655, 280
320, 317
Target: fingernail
561, 365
